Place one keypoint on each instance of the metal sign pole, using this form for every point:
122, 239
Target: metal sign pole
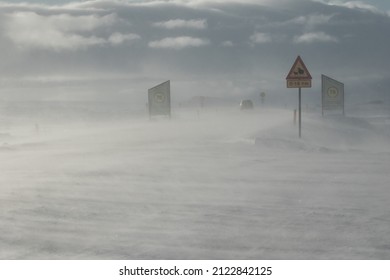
343, 102
322, 94
300, 113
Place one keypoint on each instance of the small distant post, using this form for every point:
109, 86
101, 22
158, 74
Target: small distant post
262, 97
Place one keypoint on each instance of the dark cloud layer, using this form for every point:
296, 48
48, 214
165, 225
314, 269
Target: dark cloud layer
98, 49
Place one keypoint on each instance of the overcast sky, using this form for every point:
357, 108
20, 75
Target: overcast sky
105, 50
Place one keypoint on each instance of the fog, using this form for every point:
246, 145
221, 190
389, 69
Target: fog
86, 174
90, 182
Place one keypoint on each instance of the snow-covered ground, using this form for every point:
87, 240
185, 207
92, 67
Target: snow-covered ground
223, 184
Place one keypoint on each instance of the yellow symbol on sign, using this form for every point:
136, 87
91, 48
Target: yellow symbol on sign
332, 92
159, 97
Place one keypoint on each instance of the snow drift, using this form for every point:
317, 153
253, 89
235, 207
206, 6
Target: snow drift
219, 184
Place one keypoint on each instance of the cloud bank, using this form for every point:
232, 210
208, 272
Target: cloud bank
178, 43
315, 37
229, 48
180, 23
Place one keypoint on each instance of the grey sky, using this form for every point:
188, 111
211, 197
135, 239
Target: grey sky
117, 49
381, 4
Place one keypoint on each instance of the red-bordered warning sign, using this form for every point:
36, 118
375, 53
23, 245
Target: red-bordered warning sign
299, 71
299, 76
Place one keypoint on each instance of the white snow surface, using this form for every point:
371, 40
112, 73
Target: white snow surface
221, 184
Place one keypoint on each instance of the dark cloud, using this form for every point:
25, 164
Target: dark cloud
221, 48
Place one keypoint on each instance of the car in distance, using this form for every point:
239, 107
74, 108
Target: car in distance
246, 104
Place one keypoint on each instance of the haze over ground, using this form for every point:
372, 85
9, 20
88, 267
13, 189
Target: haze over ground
86, 175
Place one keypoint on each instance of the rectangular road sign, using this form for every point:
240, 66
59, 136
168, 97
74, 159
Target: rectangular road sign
299, 83
332, 94
159, 98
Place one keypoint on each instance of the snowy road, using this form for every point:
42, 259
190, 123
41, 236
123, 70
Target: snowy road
224, 185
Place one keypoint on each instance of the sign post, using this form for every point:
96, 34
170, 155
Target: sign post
262, 96
299, 77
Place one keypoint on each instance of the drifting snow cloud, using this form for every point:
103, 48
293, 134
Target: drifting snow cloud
227, 44
315, 37
63, 22
178, 43
311, 21
181, 23
59, 32
260, 38
357, 5
119, 38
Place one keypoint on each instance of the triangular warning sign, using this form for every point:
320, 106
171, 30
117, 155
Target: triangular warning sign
298, 71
